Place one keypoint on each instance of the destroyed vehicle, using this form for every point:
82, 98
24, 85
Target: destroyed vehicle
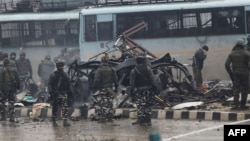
168, 71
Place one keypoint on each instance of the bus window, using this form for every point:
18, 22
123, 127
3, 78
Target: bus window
229, 21
104, 27
105, 31
128, 20
90, 28
189, 23
10, 34
206, 23
248, 21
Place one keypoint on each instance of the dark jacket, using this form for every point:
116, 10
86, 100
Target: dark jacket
142, 77
59, 82
24, 67
238, 61
105, 77
198, 59
9, 79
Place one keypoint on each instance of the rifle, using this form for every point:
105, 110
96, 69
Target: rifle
159, 99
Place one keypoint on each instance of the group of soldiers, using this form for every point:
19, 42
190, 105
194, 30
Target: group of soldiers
53, 76
10, 72
142, 88
143, 85
13, 71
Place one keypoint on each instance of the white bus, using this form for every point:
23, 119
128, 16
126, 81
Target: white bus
179, 28
39, 34
39, 29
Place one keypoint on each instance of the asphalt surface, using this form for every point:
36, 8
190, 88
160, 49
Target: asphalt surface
118, 130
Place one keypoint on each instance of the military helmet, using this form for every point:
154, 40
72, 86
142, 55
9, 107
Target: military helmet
60, 63
22, 53
140, 58
105, 58
6, 62
12, 54
240, 42
70, 50
47, 57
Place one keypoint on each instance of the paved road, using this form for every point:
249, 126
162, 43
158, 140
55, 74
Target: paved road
119, 130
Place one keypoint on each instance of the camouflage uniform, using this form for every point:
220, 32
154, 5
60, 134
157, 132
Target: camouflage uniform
59, 89
45, 68
144, 87
23, 65
9, 82
104, 80
237, 65
13, 59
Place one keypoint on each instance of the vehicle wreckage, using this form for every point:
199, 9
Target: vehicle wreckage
175, 83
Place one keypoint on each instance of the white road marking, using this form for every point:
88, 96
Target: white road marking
203, 130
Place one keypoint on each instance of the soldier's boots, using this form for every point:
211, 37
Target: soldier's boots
244, 107
3, 117
54, 122
12, 119
110, 120
66, 123
102, 120
138, 121
145, 121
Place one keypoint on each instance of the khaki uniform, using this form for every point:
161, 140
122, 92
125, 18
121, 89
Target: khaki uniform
237, 65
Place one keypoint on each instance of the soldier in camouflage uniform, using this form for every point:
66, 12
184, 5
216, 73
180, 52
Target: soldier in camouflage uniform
104, 80
143, 87
24, 69
237, 65
45, 68
9, 82
13, 59
23, 65
59, 89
